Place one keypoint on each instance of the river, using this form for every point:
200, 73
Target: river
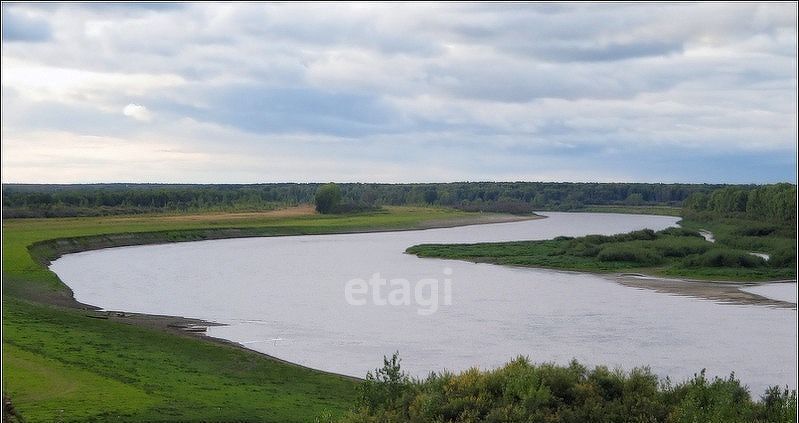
309, 300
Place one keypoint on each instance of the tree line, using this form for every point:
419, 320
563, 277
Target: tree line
21, 200
776, 203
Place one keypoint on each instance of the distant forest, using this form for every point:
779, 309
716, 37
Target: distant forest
776, 203
23, 200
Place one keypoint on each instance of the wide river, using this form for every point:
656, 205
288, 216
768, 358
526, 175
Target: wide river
294, 298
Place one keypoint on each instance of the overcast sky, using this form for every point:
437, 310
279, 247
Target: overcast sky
240, 93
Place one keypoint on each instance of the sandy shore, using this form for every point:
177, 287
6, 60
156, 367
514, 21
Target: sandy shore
722, 292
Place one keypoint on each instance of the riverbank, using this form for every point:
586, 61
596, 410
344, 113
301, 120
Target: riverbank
145, 367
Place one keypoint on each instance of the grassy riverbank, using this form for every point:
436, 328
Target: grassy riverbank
671, 252
60, 365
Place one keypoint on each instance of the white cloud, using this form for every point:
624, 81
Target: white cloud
44, 83
137, 112
419, 91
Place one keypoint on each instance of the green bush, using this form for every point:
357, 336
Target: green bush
719, 401
381, 389
719, 257
578, 247
779, 405
681, 247
327, 198
631, 253
756, 230
642, 235
680, 231
784, 257
596, 239
525, 392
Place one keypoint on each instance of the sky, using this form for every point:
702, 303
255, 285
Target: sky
415, 92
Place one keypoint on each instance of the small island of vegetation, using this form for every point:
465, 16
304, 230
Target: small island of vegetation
743, 221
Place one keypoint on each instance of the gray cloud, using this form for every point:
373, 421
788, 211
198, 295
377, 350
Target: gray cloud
609, 52
483, 88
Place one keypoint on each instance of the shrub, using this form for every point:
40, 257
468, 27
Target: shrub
681, 247
720, 401
779, 405
784, 257
642, 235
525, 392
385, 386
718, 257
597, 239
756, 230
629, 253
678, 231
327, 197
579, 247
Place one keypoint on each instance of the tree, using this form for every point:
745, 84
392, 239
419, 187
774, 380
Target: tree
430, 196
697, 201
327, 197
635, 199
385, 387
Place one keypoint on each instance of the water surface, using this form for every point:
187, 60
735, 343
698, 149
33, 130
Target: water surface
285, 296
776, 291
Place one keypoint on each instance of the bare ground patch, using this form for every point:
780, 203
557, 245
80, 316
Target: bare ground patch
722, 292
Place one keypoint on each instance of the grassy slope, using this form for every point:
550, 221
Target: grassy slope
570, 255
60, 365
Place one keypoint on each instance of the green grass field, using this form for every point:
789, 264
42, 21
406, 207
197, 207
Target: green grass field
60, 365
